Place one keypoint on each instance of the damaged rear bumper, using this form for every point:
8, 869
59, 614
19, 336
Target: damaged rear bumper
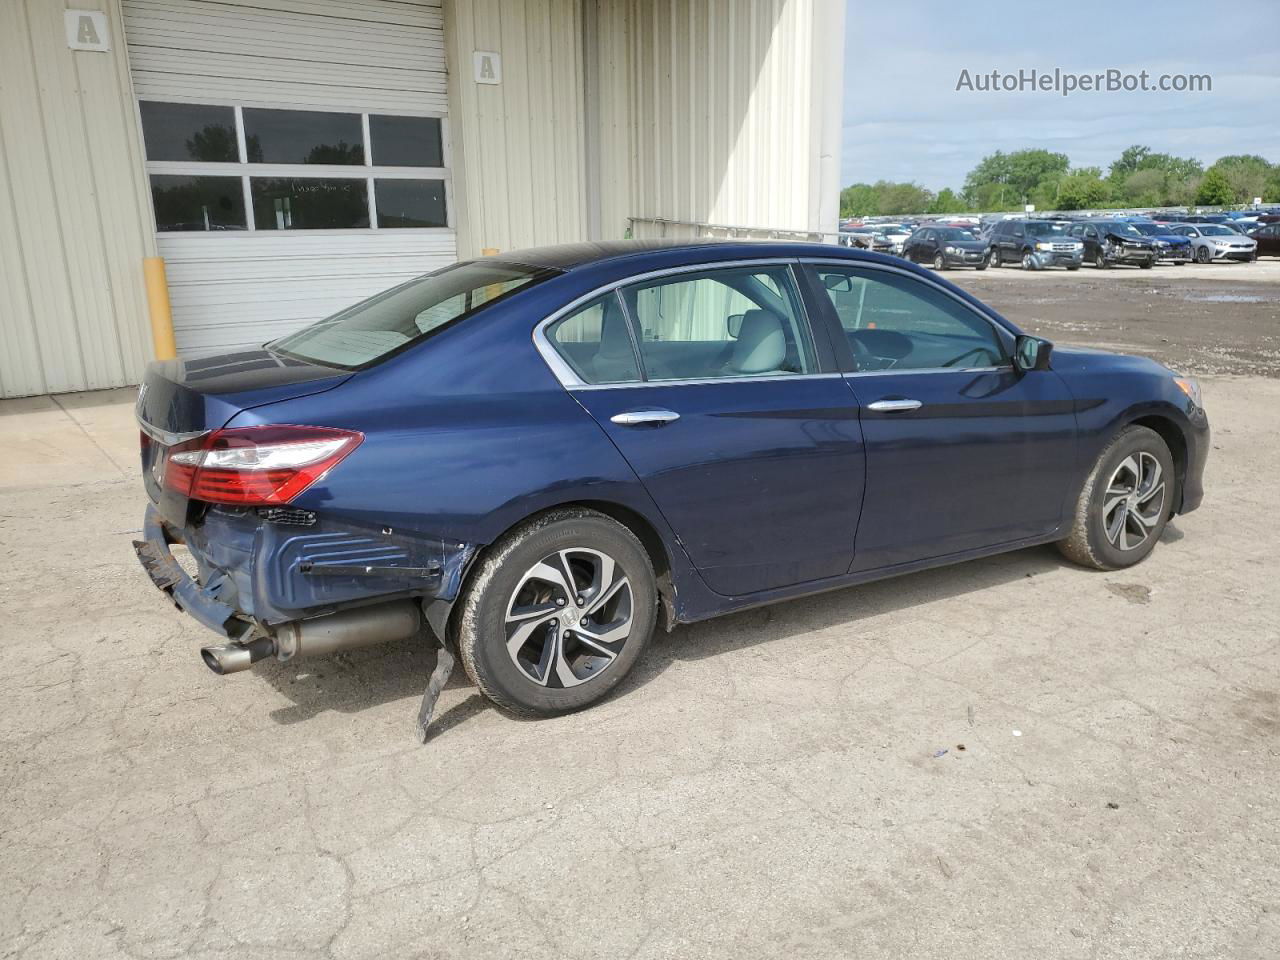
255, 574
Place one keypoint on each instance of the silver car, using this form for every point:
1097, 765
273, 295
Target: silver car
1213, 241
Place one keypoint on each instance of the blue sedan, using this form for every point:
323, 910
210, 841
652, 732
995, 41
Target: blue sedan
536, 459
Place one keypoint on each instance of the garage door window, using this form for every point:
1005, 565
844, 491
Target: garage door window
224, 167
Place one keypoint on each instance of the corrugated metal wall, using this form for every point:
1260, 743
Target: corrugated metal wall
735, 111
715, 111
74, 216
518, 145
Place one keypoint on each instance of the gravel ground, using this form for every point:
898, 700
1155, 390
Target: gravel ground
1013, 757
1210, 319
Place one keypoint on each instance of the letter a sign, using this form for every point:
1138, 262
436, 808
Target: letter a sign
87, 30
488, 66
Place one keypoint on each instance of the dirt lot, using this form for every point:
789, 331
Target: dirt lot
1216, 318
773, 784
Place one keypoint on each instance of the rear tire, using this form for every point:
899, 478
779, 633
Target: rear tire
556, 613
1125, 503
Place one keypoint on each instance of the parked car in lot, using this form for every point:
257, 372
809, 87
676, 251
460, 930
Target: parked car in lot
1267, 238
1111, 242
866, 238
1170, 246
1213, 241
1034, 244
540, 456
943, 247
897, 234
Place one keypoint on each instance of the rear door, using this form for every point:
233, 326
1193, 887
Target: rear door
734, 418
963, 451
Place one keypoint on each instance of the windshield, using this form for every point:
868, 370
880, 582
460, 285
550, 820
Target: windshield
381, 325
1120, 228
1150, 229
1042, 228
953, 233
1214, 230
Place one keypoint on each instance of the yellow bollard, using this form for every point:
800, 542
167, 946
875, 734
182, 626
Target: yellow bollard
158, 305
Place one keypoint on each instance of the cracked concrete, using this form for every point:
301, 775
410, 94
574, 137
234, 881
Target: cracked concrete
766, 785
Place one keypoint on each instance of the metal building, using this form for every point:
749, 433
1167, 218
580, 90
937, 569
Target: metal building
285, 158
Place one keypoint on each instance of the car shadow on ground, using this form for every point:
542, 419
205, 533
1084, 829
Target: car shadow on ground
359, 680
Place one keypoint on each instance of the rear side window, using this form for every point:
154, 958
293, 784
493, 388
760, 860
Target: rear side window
595, 342
737, 322
382, 325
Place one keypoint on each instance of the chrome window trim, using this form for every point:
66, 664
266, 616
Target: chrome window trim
570, 379
1007, 368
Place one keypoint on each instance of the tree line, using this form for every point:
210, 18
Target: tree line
1139, 177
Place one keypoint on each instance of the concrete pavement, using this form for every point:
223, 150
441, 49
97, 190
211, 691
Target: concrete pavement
772, 784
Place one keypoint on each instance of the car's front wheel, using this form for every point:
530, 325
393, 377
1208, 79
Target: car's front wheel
1202, 254
1125, 503
939, 261
556, 613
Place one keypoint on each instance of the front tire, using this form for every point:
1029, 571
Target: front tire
1202, 254
1100, 261
556, 613
939, 262
1125, 503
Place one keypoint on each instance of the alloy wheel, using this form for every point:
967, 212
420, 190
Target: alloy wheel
1134, 501
569, 617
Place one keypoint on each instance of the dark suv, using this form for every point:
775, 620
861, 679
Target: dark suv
1034, 244
1108, 242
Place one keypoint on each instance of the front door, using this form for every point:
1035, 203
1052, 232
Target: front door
963, 451
752, 452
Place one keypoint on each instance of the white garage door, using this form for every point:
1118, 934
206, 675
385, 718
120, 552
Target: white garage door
298, 156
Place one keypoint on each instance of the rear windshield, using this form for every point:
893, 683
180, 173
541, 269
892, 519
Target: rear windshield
380, 326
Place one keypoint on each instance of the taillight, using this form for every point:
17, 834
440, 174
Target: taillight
256, 465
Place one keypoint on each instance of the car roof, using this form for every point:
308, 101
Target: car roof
571, 256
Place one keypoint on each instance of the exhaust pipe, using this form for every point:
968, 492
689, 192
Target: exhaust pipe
234, 657
348, 630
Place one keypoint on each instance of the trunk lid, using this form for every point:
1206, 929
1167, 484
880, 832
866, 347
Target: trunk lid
183, 399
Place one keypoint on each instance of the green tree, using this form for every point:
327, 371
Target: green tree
1142, 188
1130, 161
1007, 180
899, 198
858, 200
947, 201
1247, 175
1214, 189
1083, 189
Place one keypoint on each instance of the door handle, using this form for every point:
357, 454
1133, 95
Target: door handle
894, 406
640, 418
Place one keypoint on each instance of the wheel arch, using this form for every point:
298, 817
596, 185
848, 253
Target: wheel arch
440, 612
1171, 433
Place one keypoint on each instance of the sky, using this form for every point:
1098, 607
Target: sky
904, 120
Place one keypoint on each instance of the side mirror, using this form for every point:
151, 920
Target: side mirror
1031, 353
734, 325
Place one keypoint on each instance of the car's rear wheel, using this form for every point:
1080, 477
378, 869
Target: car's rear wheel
1125, 503
556, 613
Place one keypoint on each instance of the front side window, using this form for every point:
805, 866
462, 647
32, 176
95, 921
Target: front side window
737, 322
382, 325
222, 166
595, 342
895, 322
